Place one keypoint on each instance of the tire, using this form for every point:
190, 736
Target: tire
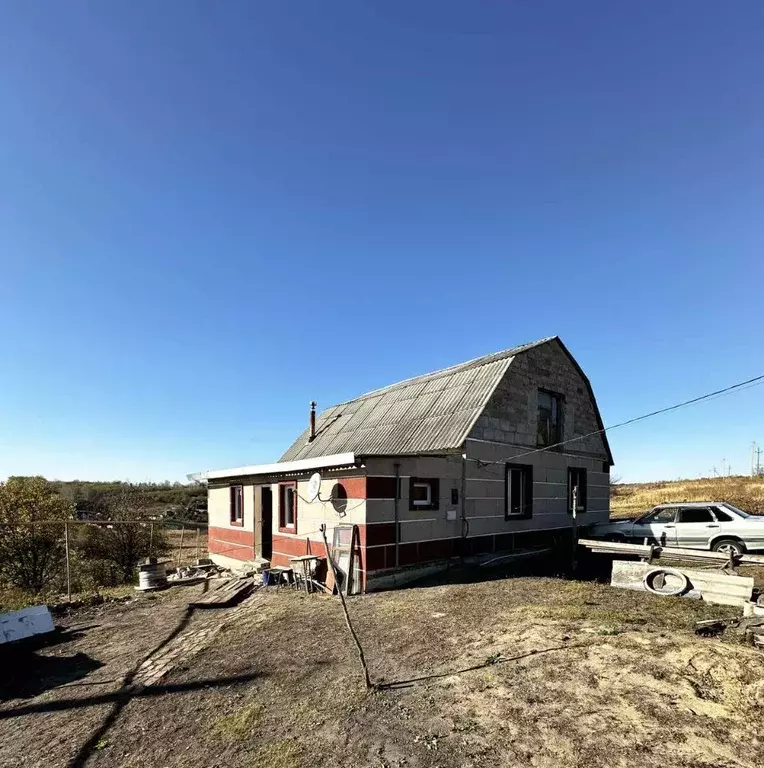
729, 546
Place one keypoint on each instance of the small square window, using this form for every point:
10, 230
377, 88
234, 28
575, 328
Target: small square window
422, 496
423, 493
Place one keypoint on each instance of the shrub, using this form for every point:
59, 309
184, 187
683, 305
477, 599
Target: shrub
31, 548
111, 552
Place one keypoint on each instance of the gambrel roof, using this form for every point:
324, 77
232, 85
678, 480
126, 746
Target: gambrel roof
432, 413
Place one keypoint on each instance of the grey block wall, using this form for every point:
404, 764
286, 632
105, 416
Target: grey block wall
507, 431
418, 524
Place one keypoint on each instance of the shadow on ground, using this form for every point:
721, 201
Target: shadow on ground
28, 673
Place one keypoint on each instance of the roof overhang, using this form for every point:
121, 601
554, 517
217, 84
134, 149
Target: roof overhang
280, 467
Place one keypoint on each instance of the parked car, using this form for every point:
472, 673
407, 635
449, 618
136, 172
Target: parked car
713, 525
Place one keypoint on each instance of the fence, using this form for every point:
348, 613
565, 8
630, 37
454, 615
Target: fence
81, 555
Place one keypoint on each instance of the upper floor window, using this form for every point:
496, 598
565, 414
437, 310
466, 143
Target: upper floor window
549, 419
237, 505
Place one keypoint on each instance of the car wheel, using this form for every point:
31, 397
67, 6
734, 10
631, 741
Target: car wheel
729, 547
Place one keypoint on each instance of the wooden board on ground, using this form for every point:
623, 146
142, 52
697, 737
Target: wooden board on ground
228, 593
673, 553
710, 585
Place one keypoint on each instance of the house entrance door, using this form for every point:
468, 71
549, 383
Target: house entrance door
266, 529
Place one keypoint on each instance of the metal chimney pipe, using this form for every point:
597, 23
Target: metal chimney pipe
312, 433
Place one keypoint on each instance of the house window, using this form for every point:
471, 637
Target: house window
423, 493
237, 505
549, 419
518, 491
288, 507
577, 479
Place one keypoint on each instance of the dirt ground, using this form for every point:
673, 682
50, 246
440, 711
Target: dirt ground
515, 672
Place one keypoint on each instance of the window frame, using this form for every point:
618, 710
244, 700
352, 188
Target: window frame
433, 484
720, 515
583, 507
285, 527
236, 492
560, 435
709, 510
647, 518
527, 480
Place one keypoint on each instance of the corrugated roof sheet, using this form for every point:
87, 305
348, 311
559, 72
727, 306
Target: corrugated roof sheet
426, 414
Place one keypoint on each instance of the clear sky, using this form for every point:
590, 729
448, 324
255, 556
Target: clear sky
212, 213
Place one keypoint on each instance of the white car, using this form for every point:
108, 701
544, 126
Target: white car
712, 525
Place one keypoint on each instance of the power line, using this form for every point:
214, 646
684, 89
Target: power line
756, 380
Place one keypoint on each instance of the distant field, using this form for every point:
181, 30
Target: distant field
745, 492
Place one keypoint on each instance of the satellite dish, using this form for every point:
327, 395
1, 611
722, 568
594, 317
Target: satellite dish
314, 486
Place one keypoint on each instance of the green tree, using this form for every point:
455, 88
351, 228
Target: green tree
31, 548
121, 544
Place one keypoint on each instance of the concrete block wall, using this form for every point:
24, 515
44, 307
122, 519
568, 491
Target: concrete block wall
508, 429
511, 415
486, 488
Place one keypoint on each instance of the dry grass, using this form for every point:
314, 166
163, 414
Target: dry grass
517, 672
279, 754
194, 544
631, 499
239, 725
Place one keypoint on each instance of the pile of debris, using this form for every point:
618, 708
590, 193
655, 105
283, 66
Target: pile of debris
751, 628
203, 569
153, 575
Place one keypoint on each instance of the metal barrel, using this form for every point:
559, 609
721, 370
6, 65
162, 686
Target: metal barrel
152, 575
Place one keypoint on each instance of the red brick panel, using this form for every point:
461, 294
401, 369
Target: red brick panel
381, 487
235, 535
407, 554
375, 558
232, 542
293, 546
379, 533
435, 550
355, 487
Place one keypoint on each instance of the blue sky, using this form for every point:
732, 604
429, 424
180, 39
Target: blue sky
211, 213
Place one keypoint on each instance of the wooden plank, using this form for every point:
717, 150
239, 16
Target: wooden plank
226, 594
643, 550
712, 586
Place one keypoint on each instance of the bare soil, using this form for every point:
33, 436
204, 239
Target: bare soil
516, 672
